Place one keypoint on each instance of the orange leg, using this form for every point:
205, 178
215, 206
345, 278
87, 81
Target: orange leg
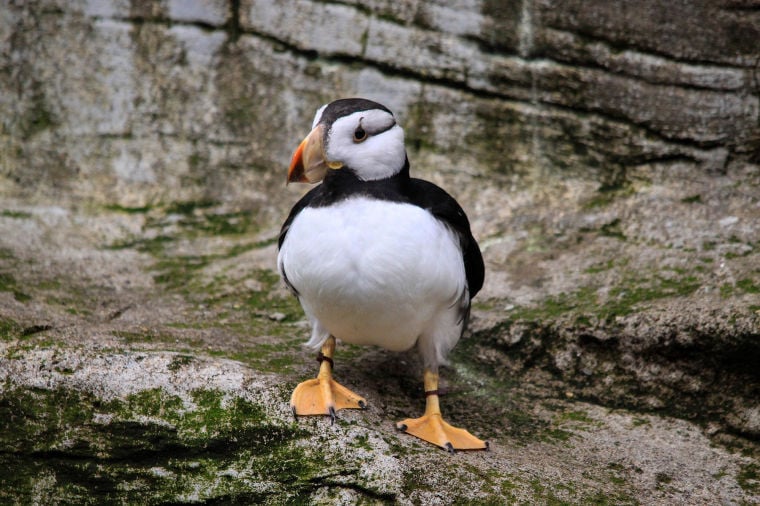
323, 395
430, 427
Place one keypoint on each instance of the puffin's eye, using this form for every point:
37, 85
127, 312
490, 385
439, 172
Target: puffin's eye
359, 134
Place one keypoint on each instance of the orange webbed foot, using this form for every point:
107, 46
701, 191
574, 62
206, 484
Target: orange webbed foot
432, 428
323, 395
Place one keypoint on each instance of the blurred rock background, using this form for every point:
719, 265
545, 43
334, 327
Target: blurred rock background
608, 157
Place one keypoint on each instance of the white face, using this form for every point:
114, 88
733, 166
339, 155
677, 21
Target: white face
368, 142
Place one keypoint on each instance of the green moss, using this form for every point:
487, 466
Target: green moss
556, 435
582, 301
178, 271
37, 420
184, 220
413, 481
601, 267
6, 213
153, 403
638, 422
621, 300
9, 284
364, 40
38, 117
266, 357
575, 416
204, 419
748, 478
693, 199
543, 494
195, 161
420, 125
663, 479
748, 286
9, 329
246, 314
179, 362
730, 255
227, 224
498, 398
151, 447
613, 229
266, 242
745, 285
507, 488
263, 300
189, 207
656, 288
128, 210
610, 229
607, 194
148, 336
720, 474
362, 442
153, 245
602, 499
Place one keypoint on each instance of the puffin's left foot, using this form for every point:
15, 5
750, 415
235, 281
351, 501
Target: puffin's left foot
432, 428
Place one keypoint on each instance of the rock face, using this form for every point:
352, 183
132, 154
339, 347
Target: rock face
607, 155
133, 101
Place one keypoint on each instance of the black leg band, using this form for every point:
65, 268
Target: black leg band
321, 357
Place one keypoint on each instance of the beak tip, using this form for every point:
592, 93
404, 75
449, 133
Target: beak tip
308, 164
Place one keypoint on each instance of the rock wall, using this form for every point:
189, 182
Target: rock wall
136, 102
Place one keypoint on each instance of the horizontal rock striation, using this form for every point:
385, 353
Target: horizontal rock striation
120, 100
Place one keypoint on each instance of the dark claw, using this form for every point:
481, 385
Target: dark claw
488, 446
332, 415
450, 448
293, 409
362, 404
401, 426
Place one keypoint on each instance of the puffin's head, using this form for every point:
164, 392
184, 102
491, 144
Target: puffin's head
350, 134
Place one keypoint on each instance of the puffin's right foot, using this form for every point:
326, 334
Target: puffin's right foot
323, 395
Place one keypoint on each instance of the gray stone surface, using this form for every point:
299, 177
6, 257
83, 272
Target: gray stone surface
607, 155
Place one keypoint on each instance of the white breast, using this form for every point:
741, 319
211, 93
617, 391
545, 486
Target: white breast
374, 272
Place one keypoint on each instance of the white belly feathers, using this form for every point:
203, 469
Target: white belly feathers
373, 272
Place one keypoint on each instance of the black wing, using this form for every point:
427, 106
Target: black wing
443, 206
305, 201
300, 205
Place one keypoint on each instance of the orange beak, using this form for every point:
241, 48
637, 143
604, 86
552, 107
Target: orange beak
309, 164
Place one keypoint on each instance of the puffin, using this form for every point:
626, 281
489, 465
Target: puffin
376, 257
